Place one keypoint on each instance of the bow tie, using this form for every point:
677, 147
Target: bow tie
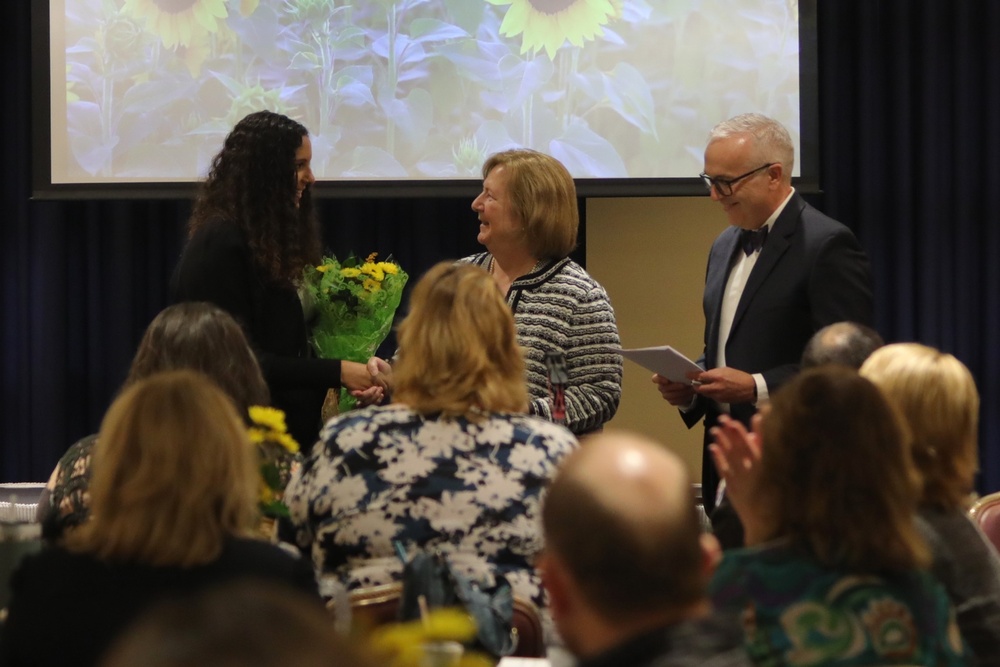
751, 240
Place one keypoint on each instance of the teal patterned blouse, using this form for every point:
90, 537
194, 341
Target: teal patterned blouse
797, 612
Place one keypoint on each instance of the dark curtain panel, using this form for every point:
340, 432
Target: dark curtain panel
909, 100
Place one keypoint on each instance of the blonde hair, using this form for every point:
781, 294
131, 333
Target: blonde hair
458, 351
175, 475
837, 474
543, 196
938, 397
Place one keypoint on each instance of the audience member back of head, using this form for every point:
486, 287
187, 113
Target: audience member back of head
626, 565
937, 395
174, 488
828, 492
243, 624
844, 343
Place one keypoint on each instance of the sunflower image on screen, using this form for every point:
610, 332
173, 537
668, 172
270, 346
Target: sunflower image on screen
548, 24
410, 90
178, 22
355, 302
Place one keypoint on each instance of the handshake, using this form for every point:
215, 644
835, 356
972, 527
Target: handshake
368, 383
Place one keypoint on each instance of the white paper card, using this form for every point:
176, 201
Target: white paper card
664, 360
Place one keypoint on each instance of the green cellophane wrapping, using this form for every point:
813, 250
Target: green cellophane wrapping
355, 303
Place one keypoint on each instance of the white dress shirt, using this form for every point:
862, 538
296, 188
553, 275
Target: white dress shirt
739, 273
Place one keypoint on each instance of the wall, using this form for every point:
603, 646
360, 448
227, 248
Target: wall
650, 255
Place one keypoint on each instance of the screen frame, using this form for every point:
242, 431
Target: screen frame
808, 180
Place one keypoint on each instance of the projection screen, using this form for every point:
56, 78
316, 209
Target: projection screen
407, 97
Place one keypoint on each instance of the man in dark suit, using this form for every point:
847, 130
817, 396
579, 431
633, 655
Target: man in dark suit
781, 272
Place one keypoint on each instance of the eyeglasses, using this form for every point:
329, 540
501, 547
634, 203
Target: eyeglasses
724, 186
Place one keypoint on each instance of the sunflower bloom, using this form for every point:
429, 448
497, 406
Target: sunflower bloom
548, 24
268, 417
373, 270
177, 22
287, 441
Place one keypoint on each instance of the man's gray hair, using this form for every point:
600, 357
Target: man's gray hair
845, 343
772, 143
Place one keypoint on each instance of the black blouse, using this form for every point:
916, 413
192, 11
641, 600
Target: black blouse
216, 266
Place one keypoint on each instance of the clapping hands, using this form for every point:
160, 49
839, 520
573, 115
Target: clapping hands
737, 455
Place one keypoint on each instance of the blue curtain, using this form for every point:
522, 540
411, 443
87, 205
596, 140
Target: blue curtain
909, 104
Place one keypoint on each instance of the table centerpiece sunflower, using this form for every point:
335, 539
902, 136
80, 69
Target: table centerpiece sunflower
278, 458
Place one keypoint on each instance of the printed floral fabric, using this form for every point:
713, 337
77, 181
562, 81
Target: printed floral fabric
471, 489
69, 499
796, 612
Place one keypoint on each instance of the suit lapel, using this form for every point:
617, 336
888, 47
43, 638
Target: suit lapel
777, 243
715, 285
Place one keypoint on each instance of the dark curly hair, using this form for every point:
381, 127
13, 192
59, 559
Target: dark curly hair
252, 184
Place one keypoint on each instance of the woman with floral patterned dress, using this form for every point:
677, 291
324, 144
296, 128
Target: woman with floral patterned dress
454, 465
835, 569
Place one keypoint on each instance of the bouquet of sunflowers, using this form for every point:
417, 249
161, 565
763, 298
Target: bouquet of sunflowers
279, 455
355, 302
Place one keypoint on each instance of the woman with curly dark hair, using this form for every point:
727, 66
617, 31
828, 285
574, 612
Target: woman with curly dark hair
251, 233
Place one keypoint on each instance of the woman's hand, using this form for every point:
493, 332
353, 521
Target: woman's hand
737, 456
359, 382
381, 372
368, 383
